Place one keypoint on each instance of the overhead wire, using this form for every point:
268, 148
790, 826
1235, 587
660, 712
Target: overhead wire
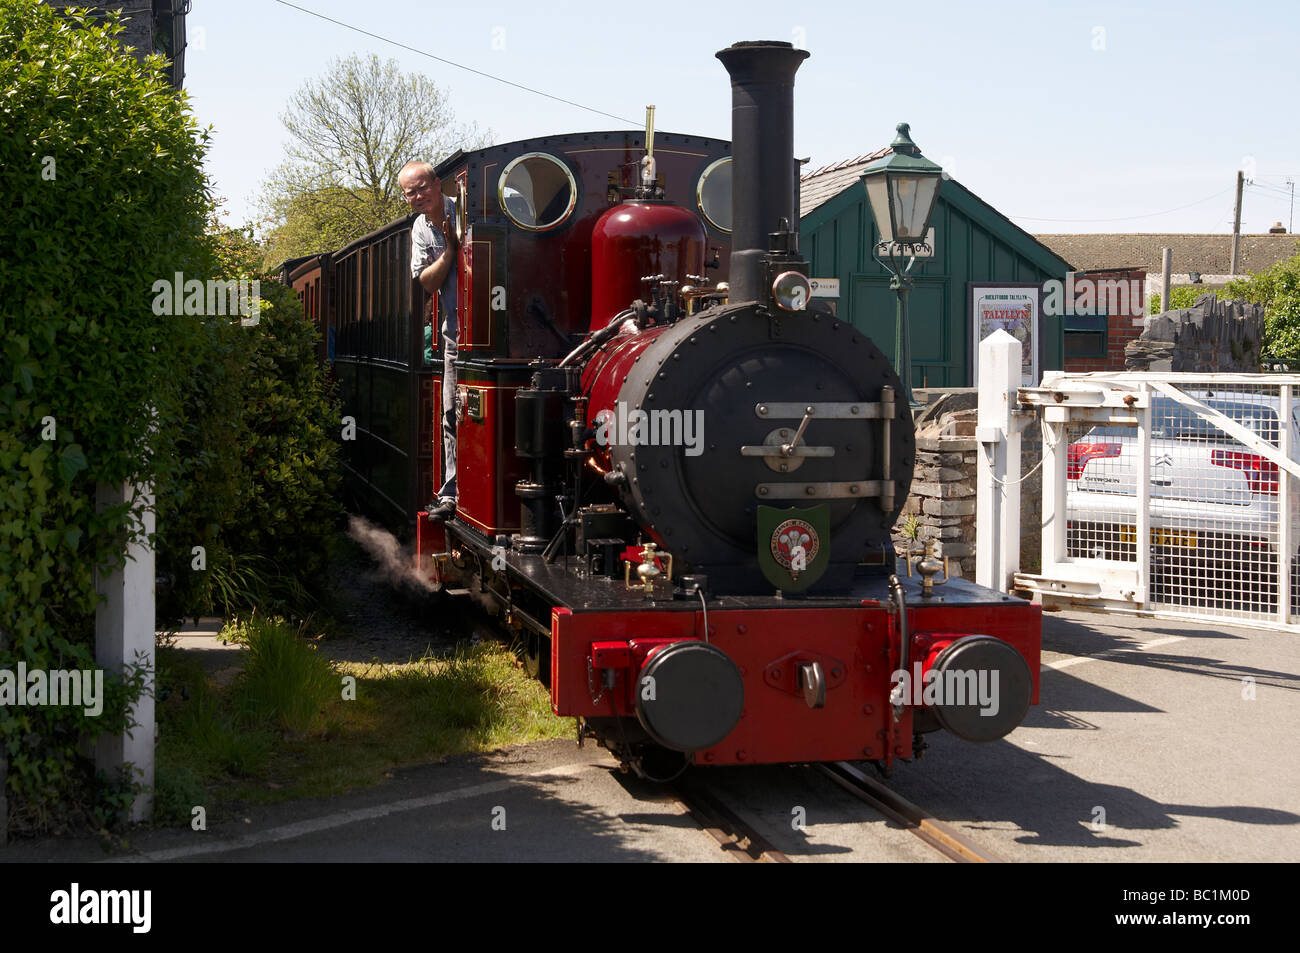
461, 66
1123, 218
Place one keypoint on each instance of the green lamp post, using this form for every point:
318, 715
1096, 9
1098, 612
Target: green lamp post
902, 188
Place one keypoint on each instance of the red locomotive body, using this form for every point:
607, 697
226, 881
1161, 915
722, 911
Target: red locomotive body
678, 483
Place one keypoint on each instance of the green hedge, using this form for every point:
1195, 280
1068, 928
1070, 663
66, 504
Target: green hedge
103, 194
103, 197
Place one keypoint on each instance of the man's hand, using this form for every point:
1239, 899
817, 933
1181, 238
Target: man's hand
449, 233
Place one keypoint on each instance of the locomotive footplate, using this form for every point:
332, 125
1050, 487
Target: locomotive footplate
781, 679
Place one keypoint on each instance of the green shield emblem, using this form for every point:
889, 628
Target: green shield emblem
794, 545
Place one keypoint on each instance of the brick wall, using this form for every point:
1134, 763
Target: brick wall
1120, 326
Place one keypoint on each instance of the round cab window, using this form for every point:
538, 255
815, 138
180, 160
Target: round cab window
537, 191
714, 194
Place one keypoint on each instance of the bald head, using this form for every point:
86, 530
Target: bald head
421, 188
416, 165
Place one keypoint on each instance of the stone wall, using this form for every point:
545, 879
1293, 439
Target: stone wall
942, 500
1211, 336
944, 488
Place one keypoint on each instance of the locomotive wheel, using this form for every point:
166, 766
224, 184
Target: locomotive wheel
659, 765
536, 652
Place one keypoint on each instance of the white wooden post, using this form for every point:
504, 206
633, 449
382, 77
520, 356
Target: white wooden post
124, 634
1285, 532
4, 771
997, 532
1142, 527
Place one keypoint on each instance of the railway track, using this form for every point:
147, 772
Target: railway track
944, 838
738, 840
743, 843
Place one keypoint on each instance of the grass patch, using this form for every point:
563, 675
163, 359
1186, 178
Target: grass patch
292, 724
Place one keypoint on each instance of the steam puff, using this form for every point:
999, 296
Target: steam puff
394, 563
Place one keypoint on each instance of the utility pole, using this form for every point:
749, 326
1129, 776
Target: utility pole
1166, 268
1290, 225
1236, 224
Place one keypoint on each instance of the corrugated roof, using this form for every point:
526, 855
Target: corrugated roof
820, 186
1207, 254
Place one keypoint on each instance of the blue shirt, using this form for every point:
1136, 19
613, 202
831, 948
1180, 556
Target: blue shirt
427, 244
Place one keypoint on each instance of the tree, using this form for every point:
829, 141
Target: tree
1277, 288
351, 132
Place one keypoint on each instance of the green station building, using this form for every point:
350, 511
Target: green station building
975, 249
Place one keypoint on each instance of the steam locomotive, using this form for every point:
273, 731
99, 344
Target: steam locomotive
678, 471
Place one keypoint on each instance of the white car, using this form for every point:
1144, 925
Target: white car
1214, 502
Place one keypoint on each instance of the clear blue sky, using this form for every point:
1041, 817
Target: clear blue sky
1065, 116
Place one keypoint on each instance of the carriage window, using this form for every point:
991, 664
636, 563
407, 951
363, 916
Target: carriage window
537, 191
714, 194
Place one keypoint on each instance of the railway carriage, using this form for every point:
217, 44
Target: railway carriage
678, 472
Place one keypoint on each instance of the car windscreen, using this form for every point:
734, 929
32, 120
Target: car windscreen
1172, 421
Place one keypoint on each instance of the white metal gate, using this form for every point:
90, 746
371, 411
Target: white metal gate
1171, 493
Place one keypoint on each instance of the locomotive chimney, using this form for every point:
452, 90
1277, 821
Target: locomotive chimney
764, 172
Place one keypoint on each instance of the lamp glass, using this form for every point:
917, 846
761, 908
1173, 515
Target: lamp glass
878, 197
911, 202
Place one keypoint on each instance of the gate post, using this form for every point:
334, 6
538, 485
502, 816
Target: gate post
997, 535
124, 634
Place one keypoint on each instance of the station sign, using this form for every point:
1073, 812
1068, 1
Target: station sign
883, 249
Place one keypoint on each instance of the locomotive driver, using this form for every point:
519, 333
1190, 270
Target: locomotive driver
433, 262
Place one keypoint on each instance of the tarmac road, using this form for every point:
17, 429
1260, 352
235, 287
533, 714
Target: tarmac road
1154, 741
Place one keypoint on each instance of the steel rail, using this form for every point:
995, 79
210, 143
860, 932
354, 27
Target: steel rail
738, 840
942, 837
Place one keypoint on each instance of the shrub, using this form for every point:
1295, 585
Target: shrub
1277, 288
1184, 296
101, 174
259, 468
